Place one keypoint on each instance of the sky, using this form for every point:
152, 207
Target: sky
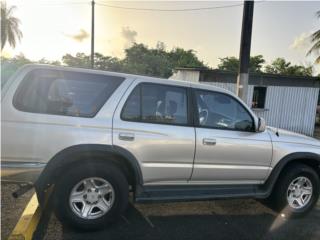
54, 28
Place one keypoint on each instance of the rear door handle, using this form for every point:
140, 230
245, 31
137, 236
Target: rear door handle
209, 141
126, 136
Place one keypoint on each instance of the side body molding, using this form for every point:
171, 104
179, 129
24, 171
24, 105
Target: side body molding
85, 151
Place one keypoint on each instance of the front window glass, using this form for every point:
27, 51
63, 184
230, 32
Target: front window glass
218, 110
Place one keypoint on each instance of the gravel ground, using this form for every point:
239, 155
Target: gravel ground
11, 208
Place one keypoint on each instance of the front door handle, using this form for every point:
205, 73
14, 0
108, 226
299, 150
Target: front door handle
126, 136
209, 141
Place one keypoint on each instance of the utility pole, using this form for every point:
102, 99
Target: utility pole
245, 46
92, 33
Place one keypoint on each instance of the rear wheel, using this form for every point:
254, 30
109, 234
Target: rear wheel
91, 195
297, 191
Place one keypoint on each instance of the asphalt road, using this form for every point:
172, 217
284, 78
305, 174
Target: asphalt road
223, 219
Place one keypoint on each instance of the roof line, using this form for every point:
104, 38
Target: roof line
262, 74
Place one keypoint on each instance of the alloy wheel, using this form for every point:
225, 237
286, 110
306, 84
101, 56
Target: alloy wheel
91, 198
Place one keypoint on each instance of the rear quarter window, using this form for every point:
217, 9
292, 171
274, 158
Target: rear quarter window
65, 93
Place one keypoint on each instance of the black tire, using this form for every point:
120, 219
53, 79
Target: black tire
278, 199
73, 176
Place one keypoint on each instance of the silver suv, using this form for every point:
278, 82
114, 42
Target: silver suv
96, 136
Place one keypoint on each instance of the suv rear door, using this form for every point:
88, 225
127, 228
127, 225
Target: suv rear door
228, 150
153, 122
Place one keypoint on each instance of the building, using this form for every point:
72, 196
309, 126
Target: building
288, 102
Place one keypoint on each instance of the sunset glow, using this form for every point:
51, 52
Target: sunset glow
54, 28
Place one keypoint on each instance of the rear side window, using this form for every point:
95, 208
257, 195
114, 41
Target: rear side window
156, 103
64, 92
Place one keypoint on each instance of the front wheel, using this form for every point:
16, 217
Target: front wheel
90, 195
297, 191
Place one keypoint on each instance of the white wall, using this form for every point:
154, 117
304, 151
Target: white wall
185, 75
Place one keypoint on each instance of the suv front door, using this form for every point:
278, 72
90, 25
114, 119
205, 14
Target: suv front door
228, 150
152, 122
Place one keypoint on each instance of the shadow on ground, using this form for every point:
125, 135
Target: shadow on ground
194, 221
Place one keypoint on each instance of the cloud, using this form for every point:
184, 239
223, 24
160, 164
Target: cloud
128, 35
80, 36
301, 42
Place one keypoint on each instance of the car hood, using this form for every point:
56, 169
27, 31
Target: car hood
281, 135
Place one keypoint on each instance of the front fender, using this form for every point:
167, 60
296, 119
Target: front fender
301, 157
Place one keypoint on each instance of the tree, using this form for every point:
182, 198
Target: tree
184, 58
45, 61
140, 59
101, 62
229, 64
232, 64
10, 65
315, 39
281, 66
10, 31
79, 60
107, 63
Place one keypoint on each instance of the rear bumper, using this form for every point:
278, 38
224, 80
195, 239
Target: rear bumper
21, 172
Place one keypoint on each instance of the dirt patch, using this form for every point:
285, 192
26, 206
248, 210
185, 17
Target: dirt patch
11, 208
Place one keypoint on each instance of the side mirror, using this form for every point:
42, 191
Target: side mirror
261, 125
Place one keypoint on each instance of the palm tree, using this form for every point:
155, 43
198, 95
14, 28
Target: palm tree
10, 31
315, 39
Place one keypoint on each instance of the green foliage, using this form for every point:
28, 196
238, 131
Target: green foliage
10, 65
278, 66
229, 64
10, 31
315, 39
79, 60
84, 61
281, 66
140, 59
232, 64
184, 58
45, 61
256, 63
107, 63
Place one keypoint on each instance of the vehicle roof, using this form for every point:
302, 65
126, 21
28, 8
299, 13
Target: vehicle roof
133, 76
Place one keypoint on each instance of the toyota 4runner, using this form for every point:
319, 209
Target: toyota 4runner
96, 136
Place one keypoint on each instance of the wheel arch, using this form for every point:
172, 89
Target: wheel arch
307, 158
89, 152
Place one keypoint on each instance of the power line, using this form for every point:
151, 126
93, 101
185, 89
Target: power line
105, 4
62, 3
169, 10
53, 3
